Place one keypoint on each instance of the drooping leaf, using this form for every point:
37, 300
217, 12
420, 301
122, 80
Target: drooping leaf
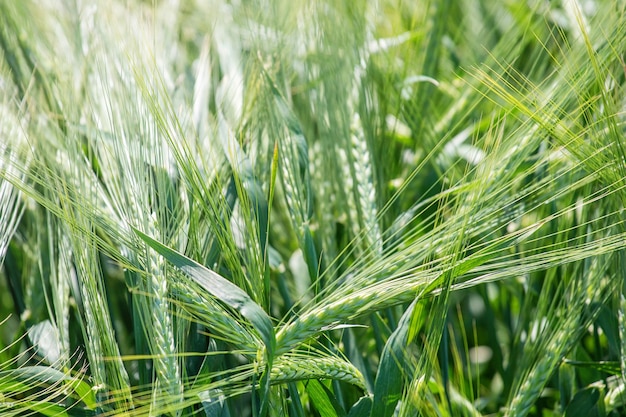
220, 288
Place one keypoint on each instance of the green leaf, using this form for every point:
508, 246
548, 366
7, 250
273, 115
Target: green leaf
220, 288
584, 403
214, 403
610, 367
361, 408
85, 392
231, 295
295, 403
323, 399
47, 409
567, 385
390, 376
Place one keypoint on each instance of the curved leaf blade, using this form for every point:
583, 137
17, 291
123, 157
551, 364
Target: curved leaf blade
220, 288
610, 367
392, 368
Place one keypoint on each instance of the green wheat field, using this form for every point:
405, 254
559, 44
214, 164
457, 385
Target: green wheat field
326, 208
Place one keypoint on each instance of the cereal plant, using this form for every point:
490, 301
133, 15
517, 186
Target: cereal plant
333, 208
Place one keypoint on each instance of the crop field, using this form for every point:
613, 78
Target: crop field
325, 208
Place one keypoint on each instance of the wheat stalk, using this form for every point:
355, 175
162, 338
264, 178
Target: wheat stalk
345, 306
160, 330
365, 189
557, 333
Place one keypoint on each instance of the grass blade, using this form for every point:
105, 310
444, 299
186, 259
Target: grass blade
221, 288
392, 369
